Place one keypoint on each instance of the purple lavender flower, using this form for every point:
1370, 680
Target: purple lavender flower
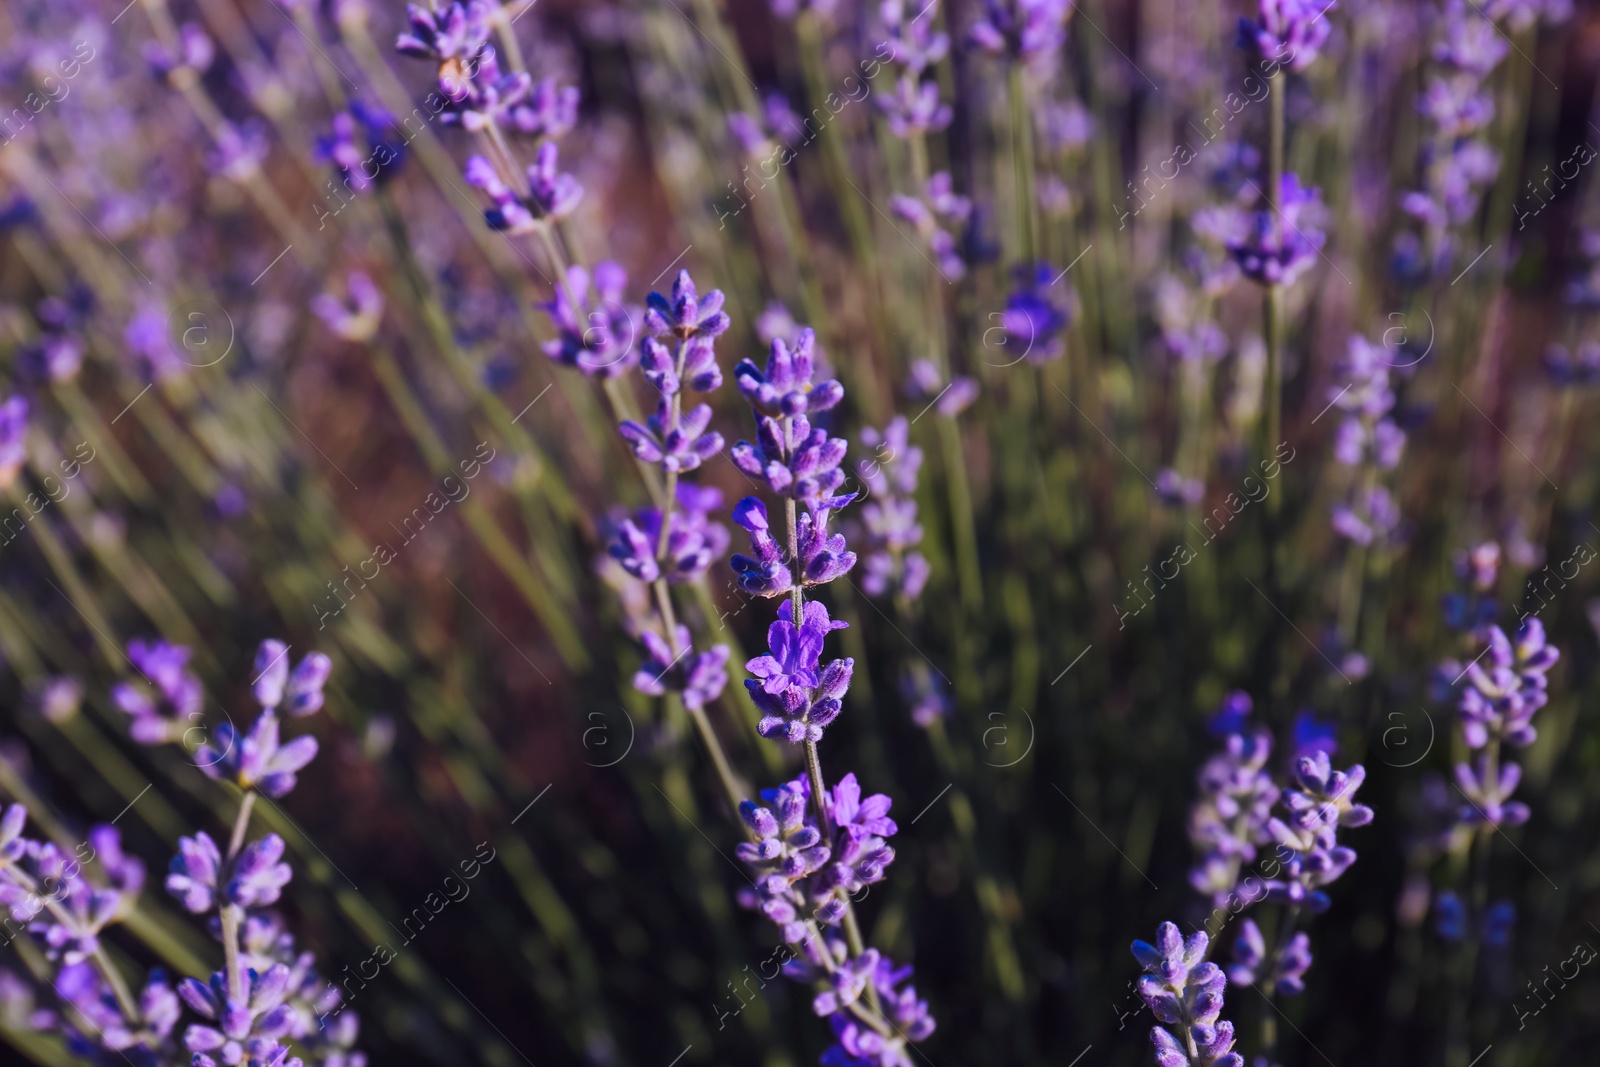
1506, 686
1573, 369
798, 696
258, 875
914, 43
927, 385
693, 541
793, 650
1281, 240
13, 438
548, 112
1368, 433
480, 94
672, 441
256, 760
194, 872
1289, 32
1022, 30
1319, 806
359, 148
1034, 323
765, 572
1287, 970
889, 517
552, 195
935, 213
597, 334
786, 388
457, 31
1371, 517
1229, 820
1185, 993
788, 845
862, 1046
358, 318
158, 717
1488, 794
777, 122
686, 315
795, 460
1176, 490
698, 676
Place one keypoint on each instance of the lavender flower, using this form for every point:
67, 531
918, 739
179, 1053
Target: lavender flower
698, 676
686, 315
548, 112
1286, 972
1028, 31
798, 696
1034, 323
1506, 686
926, 385
1228, 822
359, 148
1319, 806
13, 438
551, 196
1185, 993
1289, 32
358, 318
455, 32
777, 122
785, 387
1371, 517
693, 541
596, 334
889, 517
935, 213
1281, 240
913, 106
674, 442
1573, 369
157, 717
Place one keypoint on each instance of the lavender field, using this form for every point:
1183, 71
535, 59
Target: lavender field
659, 533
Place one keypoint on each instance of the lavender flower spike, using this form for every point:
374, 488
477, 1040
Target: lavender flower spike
1185, 993
1288, 32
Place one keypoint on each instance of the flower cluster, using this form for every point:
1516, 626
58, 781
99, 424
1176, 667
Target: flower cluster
913, 107
595, 327
1506, 685
889, 517
935, 213
1319, 805
1459, 164
269, 997
475, 94
925, 385
692, 540
1228, 822
360, 148
1288, 32
797, 695
1026, 31
1184, 992
671, 439
1367, 439
803, 877
1034, 324
259, 759
1279, 242
159, 716
13, 438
